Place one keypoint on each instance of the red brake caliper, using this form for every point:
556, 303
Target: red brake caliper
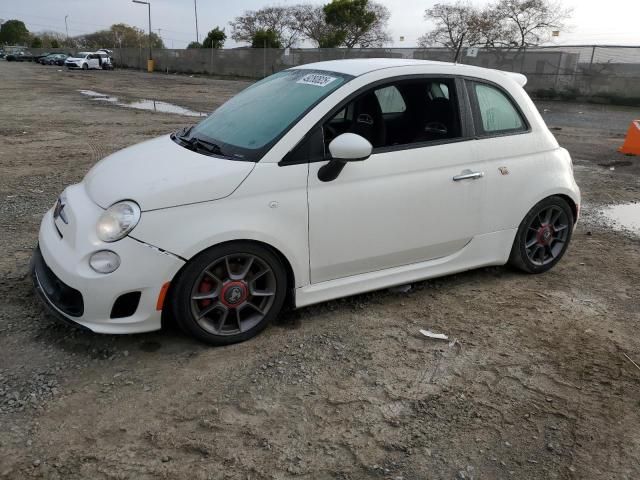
205, 287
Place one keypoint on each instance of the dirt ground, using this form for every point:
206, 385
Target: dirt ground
538, 385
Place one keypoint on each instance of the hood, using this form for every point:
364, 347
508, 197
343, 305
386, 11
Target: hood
159, 173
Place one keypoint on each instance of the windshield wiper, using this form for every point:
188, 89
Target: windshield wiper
196, 144
183, 133
205, 145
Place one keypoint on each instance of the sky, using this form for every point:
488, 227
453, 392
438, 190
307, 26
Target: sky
593, 22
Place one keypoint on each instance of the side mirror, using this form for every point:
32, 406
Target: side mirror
347, 147
350, 147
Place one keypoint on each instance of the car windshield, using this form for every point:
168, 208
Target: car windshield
81, 54
250, 123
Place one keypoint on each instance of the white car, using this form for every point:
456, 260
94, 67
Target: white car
106, 60
84, 60
318, 182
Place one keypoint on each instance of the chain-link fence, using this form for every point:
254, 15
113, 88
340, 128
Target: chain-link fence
605, 73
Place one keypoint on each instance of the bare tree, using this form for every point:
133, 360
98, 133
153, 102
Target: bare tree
508, 23
455, 25
280, 20
530, 22
488, 28
311, 24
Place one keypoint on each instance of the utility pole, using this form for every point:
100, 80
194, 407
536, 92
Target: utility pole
66, 26
195, 9
148, 4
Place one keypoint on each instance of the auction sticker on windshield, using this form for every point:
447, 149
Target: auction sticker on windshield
316, 79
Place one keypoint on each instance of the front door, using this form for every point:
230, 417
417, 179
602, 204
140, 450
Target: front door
418, 197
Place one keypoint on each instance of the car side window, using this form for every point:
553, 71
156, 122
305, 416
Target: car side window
400, 113
390, 100
498, 114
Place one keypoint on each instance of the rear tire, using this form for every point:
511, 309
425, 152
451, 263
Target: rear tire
229, 293
543, 236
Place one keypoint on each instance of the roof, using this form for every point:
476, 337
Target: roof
361, 66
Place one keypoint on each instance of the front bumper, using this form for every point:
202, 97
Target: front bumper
67, 284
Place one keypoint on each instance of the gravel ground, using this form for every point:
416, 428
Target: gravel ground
536, 386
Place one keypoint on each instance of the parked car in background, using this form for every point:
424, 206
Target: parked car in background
40, 56
84, 61
42, 60
106, 61
54, 59
19, 56
318, 182
2, 54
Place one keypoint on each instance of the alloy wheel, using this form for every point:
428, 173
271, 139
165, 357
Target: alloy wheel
233, 294
546, 235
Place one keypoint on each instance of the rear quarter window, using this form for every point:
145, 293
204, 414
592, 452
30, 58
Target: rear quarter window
495, 112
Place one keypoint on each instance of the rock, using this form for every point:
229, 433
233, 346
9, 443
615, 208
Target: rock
165, 459
36, 463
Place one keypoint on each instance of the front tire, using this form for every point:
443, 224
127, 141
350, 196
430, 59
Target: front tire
543, 236
229, 293
85, 66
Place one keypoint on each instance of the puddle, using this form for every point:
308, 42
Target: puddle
624, 217
144, 104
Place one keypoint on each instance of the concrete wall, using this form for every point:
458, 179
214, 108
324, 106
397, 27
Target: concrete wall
562, 71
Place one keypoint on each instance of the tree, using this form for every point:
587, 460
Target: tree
53, 39
530, 22
454, 25
13, 32
215, 39
507, 24
194, 45
309, 20
357, 23
118, 35
36, 42
265, 39
279, 20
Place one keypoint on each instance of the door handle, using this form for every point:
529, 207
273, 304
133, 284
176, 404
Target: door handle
468, 175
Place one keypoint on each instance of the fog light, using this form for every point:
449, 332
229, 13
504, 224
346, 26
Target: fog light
104, 261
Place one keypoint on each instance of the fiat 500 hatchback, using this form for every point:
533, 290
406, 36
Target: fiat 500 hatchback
321, 181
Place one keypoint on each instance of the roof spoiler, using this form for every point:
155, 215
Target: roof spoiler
519, 78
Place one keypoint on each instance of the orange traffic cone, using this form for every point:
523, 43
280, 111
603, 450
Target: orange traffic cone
631, 144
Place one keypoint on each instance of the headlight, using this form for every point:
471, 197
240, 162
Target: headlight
117, 221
